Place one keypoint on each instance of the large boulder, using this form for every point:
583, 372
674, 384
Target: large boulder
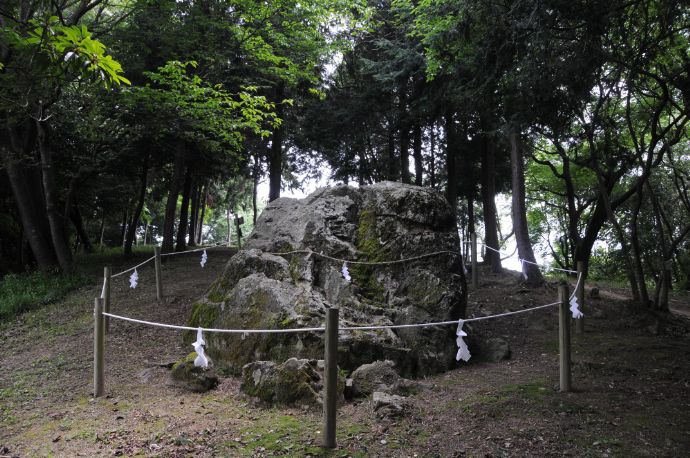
269, 286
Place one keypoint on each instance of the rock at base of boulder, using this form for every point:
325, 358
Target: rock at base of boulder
380, 376
493, 350
387, 405
197, 379
294, 382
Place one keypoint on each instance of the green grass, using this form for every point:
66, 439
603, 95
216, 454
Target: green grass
23, 292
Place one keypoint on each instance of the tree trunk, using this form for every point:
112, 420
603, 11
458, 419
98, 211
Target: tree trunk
134, 219
488, 187
171, 204
470, 215
519, 208
417, 149
29, 214
123, 227
275, 156
180, 244
392, 163
200, 228
638, 270
55, 219
255, 187
451, 169
78, 222
404, 136
432, 156
194, 215
101, 229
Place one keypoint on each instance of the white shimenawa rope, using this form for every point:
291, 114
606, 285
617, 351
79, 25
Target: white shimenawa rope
525, 260
165, 254
365, 263
175, 253
322, 329
133, 268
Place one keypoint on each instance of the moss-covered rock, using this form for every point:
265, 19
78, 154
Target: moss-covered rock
294, 382
260, 289
198, 379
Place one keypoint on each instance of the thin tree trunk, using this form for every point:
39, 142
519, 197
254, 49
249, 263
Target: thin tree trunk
171, 204
488, 188
417, 151
194, 215
519, 208
404, 137
55, 219
275, 157
638, 270
134, 220
451, 168
78, 222
123, 227
392, 163
200, 228
101, 230
180, 244
470, 214
255, 188
229, 221
432, 156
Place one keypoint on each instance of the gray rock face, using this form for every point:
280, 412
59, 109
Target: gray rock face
379, 223
295, 382
380, 376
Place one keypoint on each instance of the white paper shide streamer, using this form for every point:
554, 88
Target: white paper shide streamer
204, 257
200, 360
346, 273
575, 308
134, 279
463, 351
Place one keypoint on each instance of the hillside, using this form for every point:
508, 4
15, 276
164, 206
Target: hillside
631, 374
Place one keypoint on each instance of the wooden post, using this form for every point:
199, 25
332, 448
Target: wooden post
564, 338
475, 272
580, 295
159, 275
98, 348
330, 385
106, 297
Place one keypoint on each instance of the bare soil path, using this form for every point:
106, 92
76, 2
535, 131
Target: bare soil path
631, 372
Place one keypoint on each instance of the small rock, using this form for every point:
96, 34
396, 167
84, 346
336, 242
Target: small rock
198, 379
388, 405
380, 376
594, 293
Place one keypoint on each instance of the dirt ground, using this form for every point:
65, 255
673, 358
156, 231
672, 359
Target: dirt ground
631, 374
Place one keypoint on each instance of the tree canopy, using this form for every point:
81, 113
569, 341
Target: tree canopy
155, 121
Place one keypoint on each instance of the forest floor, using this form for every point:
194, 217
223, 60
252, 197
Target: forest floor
631, 374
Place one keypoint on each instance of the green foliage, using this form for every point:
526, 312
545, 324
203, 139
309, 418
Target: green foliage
21, 293
199, 110
73, 51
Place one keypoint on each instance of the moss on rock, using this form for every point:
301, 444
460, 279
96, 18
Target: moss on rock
198, 379
369, 245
